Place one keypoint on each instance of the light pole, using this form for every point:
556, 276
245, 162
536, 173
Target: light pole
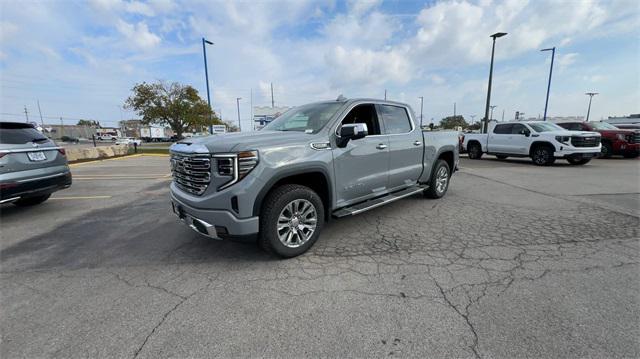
486, 109
546, 103
473, 119
421, 106
238, 104
206, 77
590, 94
491, 116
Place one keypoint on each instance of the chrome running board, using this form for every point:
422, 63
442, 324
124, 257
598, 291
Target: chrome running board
380, 201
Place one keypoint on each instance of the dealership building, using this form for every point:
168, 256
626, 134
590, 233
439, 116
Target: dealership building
262, 115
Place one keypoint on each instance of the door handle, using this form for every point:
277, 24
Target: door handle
381, 146
417, 143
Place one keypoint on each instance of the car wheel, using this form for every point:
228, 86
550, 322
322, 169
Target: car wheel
606, 151
291, 220
578, 161
475, 151
543, 156
439, 182
31, 201
632, 155
501, 157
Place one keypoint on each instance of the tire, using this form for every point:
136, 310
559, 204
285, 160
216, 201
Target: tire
543, 156
475, 151
279, 209
501, 157
578, 161
439, 181
632, 155
606, 151
31, 201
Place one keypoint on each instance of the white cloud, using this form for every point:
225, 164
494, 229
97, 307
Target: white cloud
565, 60
138, 35
366, 67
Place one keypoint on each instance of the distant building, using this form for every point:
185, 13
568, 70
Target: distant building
633, 118
263, 115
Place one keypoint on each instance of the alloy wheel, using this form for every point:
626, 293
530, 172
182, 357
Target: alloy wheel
296, 223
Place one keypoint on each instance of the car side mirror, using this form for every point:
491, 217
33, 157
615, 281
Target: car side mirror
351, 131
526, 133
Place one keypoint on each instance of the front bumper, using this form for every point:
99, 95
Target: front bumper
627, 148
17, 188
577, 152
219, 224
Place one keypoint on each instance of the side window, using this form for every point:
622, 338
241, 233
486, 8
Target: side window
518, 129
503, 129
395, 118
571, 126
364, 114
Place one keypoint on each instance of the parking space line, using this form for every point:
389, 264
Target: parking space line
82, 197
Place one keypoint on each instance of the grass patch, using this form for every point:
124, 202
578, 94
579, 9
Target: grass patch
151, 150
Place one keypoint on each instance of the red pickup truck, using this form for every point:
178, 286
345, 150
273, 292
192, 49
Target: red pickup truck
615, 141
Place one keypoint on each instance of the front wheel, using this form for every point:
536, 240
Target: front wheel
439, 182
31, 201
578, 161
291, 220
632, 155
606, 151
543, 156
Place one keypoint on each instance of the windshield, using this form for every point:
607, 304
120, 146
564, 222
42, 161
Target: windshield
545, 127
603, 126
308, 118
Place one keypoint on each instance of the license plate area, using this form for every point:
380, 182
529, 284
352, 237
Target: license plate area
36, 156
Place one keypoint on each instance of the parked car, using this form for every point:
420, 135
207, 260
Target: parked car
69, 139
31, 165
321, 160
107, 137
129, 141
615, 141
542, 141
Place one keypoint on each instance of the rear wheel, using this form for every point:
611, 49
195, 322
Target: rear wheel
606, 151
578, 161
439, 182
31, 201
291, 220
475, 151
543, 156
501, 157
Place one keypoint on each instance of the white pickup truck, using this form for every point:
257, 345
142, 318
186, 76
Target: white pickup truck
542, 141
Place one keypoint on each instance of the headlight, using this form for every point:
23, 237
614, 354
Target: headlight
235, 165
621, 137
563, 139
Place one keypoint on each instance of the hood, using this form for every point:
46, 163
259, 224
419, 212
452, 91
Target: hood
615, 132
572, 133
240, 141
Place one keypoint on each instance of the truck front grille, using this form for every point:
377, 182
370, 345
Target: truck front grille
192, 173
590, 141
634, 138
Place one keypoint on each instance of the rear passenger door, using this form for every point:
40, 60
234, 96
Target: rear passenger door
500, 138
405, 146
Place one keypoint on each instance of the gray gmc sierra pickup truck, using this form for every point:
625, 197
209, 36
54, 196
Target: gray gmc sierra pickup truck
334, 158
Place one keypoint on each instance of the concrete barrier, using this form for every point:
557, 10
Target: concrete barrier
95, 153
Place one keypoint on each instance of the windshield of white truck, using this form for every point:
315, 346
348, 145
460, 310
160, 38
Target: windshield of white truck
308, 118
545, 127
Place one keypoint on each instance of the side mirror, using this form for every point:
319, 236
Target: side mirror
351, 131
526, 133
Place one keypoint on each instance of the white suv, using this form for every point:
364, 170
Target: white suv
542, 141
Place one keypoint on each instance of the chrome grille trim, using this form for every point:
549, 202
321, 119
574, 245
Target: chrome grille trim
191, 173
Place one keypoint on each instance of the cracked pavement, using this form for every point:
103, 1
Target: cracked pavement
516, 261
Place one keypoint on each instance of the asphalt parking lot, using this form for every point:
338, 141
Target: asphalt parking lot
516, 261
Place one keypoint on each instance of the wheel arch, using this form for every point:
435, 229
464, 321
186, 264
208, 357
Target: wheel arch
537, 144
316, 178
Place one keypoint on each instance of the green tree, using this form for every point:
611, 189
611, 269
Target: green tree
171, 104
451, 122
89, 123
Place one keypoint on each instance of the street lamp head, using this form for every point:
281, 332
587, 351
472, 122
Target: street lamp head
498, 34
549, 49
591, 93
207, 41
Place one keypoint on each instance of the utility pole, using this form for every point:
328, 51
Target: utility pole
272, 102
590, 94
385, 94
61, 127
251, 104
421, 106
473, 119
553, 54
40, 111
238, 104
454, 109
486, 109
491, 116
26, 114
503, 115
206, 77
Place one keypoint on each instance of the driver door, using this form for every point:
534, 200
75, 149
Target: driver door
519, 141
362, 166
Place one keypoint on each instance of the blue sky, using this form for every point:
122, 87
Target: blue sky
81, 58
